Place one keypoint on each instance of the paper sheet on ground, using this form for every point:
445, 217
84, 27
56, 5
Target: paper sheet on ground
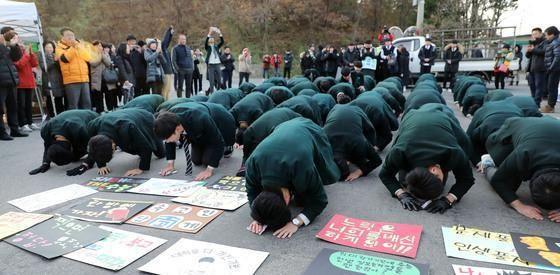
14, 222
51, 197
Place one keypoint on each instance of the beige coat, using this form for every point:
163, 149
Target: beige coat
244, 64
97, 66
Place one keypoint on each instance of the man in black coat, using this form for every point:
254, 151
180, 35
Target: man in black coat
536, 71
452, 58
330, 61
134, 54
227, 73
10, 52
552, 65
427, 55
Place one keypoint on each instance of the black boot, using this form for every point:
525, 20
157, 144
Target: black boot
5, 136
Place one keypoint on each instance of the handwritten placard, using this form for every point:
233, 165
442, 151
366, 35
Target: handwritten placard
113, 184
473, 270
107, 211
51, 197
166, 187
14, 222
218, 199
540, 250
229, 183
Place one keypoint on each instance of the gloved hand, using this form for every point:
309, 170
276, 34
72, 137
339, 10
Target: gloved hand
77, 171
42, 169
409, 202
440, 205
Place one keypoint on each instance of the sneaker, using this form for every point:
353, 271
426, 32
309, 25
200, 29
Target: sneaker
18, 134
547, 109
5, 136
34, 127
25, 128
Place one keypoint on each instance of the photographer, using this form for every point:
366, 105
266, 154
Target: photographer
154, 73
213, 59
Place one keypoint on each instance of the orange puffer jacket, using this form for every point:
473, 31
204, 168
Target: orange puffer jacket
73, 63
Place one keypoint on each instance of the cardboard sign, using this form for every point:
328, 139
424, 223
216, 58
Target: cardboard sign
114, 184
332, 262
537, 249
166, 187
229, 183
57, 236
218, 199
51, 197
107, 211
390, 238
14, 222
484, 246
473, 270
176, 217
196, 257
118, 250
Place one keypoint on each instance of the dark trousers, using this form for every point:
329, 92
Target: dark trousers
111, 99
155, 87
287, 72
552, 87
197, 83
97, 101
184, 78
449, 77
227, 76
140, 87
214, 77
8, 105
425, 69
58, 104
500, 80
24, 106
243, 76
206, 155
531, 82
539, 80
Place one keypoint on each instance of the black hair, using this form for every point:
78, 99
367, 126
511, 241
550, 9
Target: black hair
51, 43
60, 152
278, 96
423, 184
545, 188
506, 46
65, 29
358, 64
130, 37
239, 136
345, 71
96, 42
165, 124
5, 30
100, 149
324, 86
342, 98
552, 30
536, 29
368, 42
473, 108
269, 208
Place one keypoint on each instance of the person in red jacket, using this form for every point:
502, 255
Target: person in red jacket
276, 61
266, 66
25, 88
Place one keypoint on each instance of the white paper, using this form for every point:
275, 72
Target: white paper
51, 197
166, 187
218, 199
197, 257
118, 250
472, 270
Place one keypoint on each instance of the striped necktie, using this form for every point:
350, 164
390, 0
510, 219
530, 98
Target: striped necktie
189, 170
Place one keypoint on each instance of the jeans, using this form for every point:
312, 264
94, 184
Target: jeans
227, 76
77, 95
552, 87
214, 77
243, 76
287, 72
185, 78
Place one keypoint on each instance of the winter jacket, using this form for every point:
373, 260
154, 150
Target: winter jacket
350, 56
24, 67
8, 72
429, 53
52, 78
209, 47
182, 57
403, 59
266, 61
537, 56
136, 60
551, 56
276, 60
244, 64
73, 63
155, 60
168, 65
288, 59
503, 57
97, 66
330, 62
453, 56
228, 61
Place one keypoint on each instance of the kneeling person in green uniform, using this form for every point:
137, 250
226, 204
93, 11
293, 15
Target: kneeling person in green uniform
283, 165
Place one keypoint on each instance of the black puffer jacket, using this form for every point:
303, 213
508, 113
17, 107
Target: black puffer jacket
537, 56
8, 72
552, 55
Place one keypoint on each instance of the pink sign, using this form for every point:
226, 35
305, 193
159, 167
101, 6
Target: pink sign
391, 238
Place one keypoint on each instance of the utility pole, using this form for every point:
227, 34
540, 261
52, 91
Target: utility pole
419, 15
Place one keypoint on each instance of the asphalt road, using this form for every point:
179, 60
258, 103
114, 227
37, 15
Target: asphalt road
365, 198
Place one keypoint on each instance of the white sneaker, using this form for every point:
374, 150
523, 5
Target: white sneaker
34, 127
25, 128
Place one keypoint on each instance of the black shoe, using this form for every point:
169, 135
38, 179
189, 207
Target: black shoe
14, 133
5, 136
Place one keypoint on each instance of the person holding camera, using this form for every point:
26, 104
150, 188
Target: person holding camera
244, 67
213, 58
154, 73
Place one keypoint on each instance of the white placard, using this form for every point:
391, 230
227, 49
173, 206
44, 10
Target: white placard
166, 187
51, 197
218, 199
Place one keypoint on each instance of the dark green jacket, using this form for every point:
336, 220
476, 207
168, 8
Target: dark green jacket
279, 94
393, 90
303, 85
199, 98
132, 130
526, 104
326, 103
497, 95
305, 106
461, 86
72, 125
420, 97
168, 104
149, 103
520, 148
251, 107
278, 160
380, 115
391, 101
345, 88
474, 95
226, 98
427, 137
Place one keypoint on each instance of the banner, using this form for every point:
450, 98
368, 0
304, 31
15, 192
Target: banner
391, 238
57, 236
176, 217
118, 250
537, 249
332, 262
51, 197
107, 211
14, 222
113, 184
218, 199
484, 246
166, 187
473, 270
196, 257
229, 183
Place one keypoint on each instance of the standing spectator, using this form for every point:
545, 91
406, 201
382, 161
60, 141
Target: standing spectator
330, 61
25, 88
168, 71
124, 73
453, 55
319, 62
501, 65
98, 64
276, 61
244, 65
552, 65
476, 52
288, 59
351, 55
369, 59
74, 67
427, 55
227, 73
536, 71
134, 53
384, 35
213, 58
9, 52
266, 66
403, 58
518, 54
155, 60
197, 75
52, 80
184, 65
388, 60
308, 59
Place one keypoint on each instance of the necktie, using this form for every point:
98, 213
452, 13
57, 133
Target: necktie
189, 170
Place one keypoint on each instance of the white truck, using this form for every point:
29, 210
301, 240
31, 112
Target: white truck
478, 66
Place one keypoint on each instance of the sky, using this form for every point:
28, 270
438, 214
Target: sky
533, 13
